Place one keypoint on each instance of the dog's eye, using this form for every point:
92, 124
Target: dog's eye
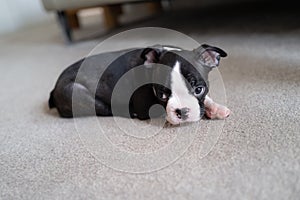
199, 90
161, 93
163, 96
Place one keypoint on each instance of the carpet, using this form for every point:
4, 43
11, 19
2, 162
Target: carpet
254, 154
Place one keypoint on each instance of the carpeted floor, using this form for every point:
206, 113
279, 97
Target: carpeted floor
254, 154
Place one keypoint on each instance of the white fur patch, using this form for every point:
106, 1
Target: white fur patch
181, 98
171, 48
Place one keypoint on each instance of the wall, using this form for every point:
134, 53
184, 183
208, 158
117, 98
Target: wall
15, 14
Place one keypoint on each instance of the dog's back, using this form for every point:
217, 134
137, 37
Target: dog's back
85, 77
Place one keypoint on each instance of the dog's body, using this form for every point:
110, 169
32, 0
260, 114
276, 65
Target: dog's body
89, 84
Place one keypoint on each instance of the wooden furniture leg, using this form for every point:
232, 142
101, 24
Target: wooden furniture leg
154, 7
111, 14
73, 19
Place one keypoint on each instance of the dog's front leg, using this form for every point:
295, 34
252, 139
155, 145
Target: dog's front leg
214, 110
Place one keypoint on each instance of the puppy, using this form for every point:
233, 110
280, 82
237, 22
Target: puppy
172, 77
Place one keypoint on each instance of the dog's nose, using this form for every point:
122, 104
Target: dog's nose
182, 113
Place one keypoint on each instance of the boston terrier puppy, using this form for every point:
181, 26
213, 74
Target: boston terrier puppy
89, 84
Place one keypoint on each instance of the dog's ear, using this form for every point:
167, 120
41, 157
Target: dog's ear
150, 55
209, 56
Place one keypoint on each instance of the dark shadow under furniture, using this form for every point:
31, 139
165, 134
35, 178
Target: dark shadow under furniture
67, 12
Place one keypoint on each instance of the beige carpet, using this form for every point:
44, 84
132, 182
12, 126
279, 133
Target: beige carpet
255, 155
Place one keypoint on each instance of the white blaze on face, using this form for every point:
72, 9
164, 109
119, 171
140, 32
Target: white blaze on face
181, 98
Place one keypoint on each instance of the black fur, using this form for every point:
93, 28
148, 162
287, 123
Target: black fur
81, 81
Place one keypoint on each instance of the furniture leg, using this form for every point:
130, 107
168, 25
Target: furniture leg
63, 21
111, 14
73, 19
154, 7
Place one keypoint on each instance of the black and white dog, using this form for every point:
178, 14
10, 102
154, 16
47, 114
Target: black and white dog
181, 90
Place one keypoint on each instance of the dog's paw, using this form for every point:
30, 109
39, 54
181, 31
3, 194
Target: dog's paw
217, 111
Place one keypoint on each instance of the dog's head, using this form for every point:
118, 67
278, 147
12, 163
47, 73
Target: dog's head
186, 85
